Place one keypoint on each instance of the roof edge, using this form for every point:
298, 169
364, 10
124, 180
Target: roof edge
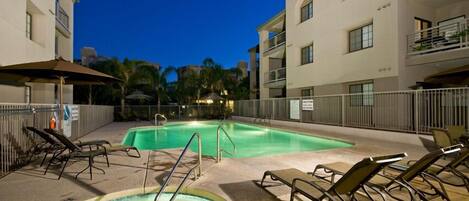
283, 12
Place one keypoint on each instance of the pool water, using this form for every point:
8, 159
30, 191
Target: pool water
250, 141
163, 197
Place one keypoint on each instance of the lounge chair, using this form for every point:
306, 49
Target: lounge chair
441, 137
405, 174
48, 146
109, 147
455, 133
51, 145
315, 188
75, 151
444, 172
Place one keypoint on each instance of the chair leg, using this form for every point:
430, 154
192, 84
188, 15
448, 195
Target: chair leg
107, 159
263, 178
63, 168
90, 163
48, 165
43, 159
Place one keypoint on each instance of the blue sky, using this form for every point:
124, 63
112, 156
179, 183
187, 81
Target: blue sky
172, 32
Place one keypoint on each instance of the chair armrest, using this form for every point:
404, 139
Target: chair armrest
324, 191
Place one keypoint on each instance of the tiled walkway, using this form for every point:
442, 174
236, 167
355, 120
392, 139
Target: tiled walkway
232, 179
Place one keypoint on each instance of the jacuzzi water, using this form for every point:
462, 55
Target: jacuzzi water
250, 141
164, 197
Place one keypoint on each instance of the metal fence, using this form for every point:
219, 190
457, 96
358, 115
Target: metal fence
15, 142
406, 111
172, 112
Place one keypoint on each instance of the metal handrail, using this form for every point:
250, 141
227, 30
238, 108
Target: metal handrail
159, 115
219, 155
198, 166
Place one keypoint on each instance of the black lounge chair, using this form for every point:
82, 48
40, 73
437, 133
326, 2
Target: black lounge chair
405, 175
446, 172
315, 188
48, 146
51, 145
75, 151
103, 143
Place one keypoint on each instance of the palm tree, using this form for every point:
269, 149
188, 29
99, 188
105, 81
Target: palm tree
157, 79
212, 76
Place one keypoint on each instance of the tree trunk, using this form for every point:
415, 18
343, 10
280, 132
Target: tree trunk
122, 101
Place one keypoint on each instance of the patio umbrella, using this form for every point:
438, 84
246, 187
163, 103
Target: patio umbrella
138, 95
455, 76
56, 71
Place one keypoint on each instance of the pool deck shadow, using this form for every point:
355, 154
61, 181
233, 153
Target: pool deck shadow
233, 179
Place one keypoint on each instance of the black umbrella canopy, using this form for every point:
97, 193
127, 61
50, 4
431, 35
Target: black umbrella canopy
56, 71
51, 71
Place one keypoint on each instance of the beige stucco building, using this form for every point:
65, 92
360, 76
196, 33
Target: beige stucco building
30, 31
321, 47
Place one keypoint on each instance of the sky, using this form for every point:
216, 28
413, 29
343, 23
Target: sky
172, 32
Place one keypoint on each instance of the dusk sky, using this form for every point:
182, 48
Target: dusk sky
176, 32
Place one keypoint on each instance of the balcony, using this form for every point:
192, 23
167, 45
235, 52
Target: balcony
440, 38
275, 78
62, 21
275, 42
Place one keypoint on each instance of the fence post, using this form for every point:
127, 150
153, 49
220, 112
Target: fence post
273, 109
343, 109
301, 109
416, 112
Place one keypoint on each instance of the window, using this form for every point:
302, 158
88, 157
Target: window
363, 94
29, 26
307, 11
450, 27
307, 54
307, 92
361, 38
421, 24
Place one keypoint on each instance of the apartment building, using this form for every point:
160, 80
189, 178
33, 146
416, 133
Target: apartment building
322, 47
31, 31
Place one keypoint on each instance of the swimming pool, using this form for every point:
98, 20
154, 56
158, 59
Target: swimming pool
250, 140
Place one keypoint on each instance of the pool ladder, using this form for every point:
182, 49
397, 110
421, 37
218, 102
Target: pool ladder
197, 170
162, 116
219, 150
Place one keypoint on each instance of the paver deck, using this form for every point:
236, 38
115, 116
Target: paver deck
233, 179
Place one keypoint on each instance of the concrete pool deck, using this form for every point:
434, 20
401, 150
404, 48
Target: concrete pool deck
232, 179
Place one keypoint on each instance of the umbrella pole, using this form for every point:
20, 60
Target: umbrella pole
61, 117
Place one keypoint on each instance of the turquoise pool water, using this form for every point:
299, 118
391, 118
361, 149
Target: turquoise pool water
164, 197
251, 141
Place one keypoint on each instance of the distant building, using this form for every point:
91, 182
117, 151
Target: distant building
90, 56
243, 67
32, 31
183, 71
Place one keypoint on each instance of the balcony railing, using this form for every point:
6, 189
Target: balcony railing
275, 75
439, 38
275, 41
62, 17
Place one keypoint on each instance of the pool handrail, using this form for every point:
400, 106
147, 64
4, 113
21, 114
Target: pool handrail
159, 115
198, 166
219, 154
